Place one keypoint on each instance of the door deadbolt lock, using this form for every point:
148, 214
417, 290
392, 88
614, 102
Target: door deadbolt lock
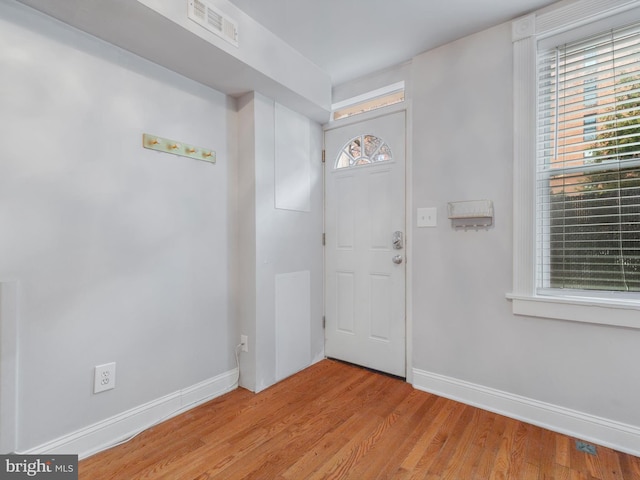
397, 240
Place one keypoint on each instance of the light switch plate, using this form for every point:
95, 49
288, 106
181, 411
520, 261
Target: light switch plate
427, 217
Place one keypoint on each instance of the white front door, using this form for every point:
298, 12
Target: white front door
365, 243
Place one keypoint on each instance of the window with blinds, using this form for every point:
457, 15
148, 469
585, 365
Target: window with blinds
588, 172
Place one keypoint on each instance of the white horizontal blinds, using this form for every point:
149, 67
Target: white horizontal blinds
588, 175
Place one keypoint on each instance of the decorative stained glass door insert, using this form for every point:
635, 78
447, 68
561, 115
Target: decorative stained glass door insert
353, 154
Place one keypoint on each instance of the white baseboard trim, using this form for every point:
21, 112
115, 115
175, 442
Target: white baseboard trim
598, 430
102, 435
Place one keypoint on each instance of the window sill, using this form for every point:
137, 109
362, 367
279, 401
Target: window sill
578, 309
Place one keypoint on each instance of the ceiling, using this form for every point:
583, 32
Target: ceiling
352, 38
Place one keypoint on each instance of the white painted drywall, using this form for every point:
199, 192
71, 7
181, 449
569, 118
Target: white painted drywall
246, 239
121, 252
266, 265
276, 241
160, 31
292, 167
258, 49
293, 322
9, 292
463, 326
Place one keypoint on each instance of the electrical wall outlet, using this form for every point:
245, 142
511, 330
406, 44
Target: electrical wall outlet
104, 377
244, 341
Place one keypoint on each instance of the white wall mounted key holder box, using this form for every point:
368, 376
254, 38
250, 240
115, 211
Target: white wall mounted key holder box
471, 214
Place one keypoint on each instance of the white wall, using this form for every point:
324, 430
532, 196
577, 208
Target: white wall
463, 326
292, 78
8, 364
121, 253
160, 31
277, 242
246, 244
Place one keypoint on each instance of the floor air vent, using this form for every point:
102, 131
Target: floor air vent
586, 447
209, 17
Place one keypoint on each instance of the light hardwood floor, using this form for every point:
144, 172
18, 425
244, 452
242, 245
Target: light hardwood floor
337, 421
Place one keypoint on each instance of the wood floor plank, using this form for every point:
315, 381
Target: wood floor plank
531, 471
630, 467
379, 464
242, 446
463, 448
502, 462
453, 439
417, 463
517, 452
563, 450
533, 450
422, 422
561, 472
487, 460
579, 460
481, 432
360, 442
437, 450
375, 424
337, 421
577, 475
328, 446
594, 467
548, 455
611, 469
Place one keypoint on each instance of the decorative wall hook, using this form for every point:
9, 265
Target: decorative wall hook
171, 146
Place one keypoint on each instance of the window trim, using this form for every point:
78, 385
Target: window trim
577, 309
370, 101
584, 17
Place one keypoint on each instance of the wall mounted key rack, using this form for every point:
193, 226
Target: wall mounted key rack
166, 145
471, 214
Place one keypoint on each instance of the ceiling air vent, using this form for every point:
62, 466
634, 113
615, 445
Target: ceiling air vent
209, 17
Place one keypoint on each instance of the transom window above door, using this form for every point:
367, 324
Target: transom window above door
363, 150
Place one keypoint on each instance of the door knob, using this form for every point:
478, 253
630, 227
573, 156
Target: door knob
397, 259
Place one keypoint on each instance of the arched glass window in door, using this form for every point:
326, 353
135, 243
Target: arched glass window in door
363, 150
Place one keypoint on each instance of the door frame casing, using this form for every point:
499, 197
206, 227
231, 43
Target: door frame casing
408, 201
